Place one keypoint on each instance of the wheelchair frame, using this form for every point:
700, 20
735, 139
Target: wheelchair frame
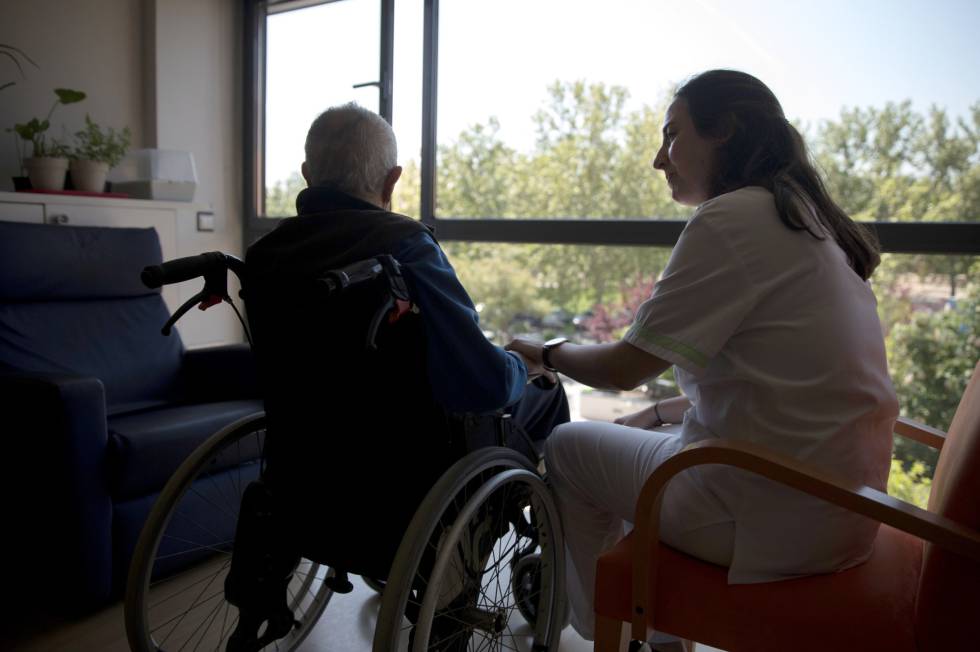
490, 513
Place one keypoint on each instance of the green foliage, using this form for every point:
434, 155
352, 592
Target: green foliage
94, 144
591, 159
280, 198
509, 299
894, 164
912, 484
35, 129
15, 55
932, 357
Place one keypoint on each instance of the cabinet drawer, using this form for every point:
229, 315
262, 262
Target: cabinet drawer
21, 212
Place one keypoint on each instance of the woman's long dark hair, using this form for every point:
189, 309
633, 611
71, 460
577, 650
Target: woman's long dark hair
761, 148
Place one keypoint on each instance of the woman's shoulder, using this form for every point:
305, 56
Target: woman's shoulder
751, 200
748, 210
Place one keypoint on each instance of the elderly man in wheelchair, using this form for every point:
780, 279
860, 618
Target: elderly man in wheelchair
397, 443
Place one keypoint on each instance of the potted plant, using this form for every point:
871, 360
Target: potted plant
95, 152
48, 162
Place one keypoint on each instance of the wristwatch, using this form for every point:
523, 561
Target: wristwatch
546, 352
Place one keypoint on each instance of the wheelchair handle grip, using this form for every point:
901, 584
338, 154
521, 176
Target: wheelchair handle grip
341, 279
182, 269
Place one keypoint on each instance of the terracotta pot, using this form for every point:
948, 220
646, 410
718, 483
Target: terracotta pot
46, 172
89, 175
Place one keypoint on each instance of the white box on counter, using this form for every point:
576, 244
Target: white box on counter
163, 174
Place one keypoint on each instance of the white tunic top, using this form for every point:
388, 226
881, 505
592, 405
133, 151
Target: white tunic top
775, 340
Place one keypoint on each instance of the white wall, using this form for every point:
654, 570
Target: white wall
170, 70
197, 104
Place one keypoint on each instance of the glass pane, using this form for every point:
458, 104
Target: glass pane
407, 109
586, 293
314, 56
553, 107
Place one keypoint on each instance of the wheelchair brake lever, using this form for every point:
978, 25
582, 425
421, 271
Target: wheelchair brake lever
205, 298
180, 312
397, 291
372, 334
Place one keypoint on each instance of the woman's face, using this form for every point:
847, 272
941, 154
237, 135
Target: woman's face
686, 158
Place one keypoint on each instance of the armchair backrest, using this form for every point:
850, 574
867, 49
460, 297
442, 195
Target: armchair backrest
71, 303
949, 586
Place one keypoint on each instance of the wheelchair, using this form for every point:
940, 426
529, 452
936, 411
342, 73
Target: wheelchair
479, 566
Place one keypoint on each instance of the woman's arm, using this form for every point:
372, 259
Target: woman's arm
618, 365
669, 410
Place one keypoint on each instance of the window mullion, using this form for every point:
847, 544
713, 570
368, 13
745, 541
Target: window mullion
430, 63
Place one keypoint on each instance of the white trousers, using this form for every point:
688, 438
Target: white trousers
597, 470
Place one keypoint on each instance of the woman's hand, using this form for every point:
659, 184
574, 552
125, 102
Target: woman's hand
536, 370
529, 349
646, 419
668, 410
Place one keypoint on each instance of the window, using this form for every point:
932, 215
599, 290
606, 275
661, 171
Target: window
316, 57
527, 130
524, 112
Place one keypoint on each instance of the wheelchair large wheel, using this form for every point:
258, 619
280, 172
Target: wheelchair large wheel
450, 586
175, 589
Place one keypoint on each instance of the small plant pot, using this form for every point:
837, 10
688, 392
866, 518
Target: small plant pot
46, 173
89, 176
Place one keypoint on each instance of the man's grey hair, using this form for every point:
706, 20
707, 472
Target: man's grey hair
350, 149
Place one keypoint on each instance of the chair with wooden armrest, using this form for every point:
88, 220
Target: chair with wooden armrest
920, 590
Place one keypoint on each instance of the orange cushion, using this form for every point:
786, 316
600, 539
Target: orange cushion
867, 608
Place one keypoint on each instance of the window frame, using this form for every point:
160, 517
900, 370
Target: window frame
254, 84
895, 237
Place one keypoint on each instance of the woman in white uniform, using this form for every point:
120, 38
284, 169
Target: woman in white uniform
765, 312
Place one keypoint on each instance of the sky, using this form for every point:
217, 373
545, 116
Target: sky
497, 58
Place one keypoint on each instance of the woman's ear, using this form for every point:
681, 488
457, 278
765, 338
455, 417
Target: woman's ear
726, 129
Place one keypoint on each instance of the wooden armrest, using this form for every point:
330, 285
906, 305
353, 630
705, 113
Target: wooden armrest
920, 432
793, 473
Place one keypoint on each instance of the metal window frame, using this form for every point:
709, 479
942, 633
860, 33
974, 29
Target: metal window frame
956, 238
254, 85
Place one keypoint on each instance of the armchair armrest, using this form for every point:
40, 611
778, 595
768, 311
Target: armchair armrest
220, 373
790, 472
920, 432
56, 437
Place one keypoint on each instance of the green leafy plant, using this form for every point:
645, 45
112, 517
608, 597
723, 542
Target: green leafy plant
912, 484
34, 131
15, 55
94, 144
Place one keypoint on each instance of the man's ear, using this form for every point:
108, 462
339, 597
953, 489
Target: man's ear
389, 186
305, 169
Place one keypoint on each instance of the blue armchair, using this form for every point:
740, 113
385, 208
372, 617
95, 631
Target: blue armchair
99, 409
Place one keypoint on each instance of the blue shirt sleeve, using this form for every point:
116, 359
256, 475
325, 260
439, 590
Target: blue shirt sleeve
467, 371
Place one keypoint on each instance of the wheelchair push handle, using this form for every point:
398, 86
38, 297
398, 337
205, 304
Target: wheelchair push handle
183, 269
213, 266
340, 279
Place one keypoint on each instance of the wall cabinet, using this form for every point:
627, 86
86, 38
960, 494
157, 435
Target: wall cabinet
171, 221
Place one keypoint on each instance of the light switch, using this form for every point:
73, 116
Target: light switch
205, 221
